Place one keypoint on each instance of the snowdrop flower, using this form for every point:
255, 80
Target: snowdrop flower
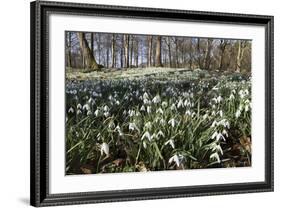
217, 148
97, 112
111, 125
71, 110
148, 125
131, 113
177, 159
164, 104
224, 132
104, 149
90, 100
215, 156
162, 121
180, 104
95, 94
124, 113
205, 116
247, 107
224, 123
214, 135
238, 113
79, 106
217, 136
220, 113
188, 112
171, 142
214, 123
160, 133
173, 107
117, 102
117, 128
159, 110
142, 108
133, 126
146, 135
231, 97
144, 144
86, 107
219, 99
145, 96
79, 112
172, 122
148, 109
156, 99
89, 113
105, 108
187, 103
146, 102
106, 114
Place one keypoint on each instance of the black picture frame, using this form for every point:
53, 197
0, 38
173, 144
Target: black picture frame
39, 187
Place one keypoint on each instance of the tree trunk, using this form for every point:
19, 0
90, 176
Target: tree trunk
169, 51
149, 54
90, 61
199, 60
92, 42
69, 50
126, 47
113, 51
136, 52
121, 53
223, 44
131, 50
207, 58
107, 57
240, 53
158, 61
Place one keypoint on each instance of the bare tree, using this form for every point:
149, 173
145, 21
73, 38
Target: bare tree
158, 61
136, 51
113, 51
68, 39
222, 46
149, 51
89, 59
126, 49
240, 53
207, 55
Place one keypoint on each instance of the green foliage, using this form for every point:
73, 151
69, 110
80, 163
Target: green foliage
157, 123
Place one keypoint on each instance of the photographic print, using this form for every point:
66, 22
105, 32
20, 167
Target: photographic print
141, 102
135, 103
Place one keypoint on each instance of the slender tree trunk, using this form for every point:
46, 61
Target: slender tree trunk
121, 53
126, 47
207, 54
89, 59
107, 57
240, 54
168, 42
92, 40
177, 53
136, 52
99, 48
199, 60
158, 61
149, 54
69, 50
131, 50
113, 51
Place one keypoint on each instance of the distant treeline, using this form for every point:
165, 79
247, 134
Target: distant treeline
93, 51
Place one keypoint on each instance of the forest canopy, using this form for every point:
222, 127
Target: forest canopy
94, 51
